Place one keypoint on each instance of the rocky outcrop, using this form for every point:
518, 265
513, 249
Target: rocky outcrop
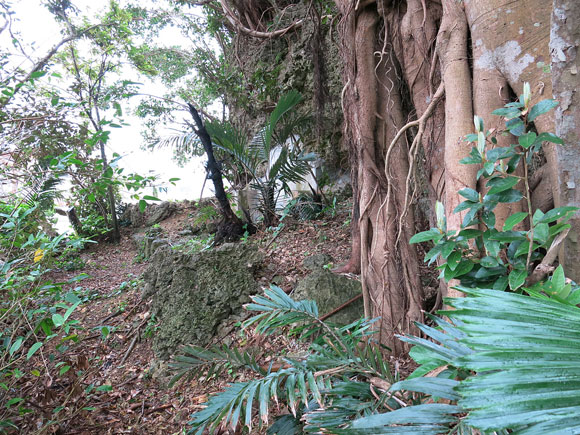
193, 294
330, 291
153, 214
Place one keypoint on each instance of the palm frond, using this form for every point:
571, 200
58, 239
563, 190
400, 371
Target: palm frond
527, 359
521, 359
195, 361
183, 143
234, 142
235, 404
279, 310
285, 105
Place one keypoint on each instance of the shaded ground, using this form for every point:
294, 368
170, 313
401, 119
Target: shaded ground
116, 392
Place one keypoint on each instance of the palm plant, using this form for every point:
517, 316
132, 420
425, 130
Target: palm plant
503, 363
252, 157
324, 388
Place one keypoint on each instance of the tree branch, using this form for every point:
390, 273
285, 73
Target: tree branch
234, 21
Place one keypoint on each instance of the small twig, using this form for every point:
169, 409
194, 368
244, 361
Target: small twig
129, 349
115, 314
274, 238
341, 307
131, 379
160, 408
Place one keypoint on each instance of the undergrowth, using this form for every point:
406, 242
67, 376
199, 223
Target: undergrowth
505, 359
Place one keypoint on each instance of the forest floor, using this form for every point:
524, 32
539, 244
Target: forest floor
110, 388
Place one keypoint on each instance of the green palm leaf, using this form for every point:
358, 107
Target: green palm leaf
527, 359
522, 360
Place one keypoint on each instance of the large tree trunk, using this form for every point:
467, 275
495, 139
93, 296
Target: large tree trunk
397, 59
564, 45
374, 112
394, 58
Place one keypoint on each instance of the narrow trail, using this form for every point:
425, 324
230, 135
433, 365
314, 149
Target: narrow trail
119, 391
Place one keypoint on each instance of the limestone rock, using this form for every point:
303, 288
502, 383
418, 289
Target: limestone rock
316, 261
160, 212
330, 290
154, 213
193, 294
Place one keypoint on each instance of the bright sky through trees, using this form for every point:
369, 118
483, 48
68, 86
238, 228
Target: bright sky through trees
39, 32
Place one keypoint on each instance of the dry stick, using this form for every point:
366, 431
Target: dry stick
529, 201
341, 307
134, 341
545, 267
130, 349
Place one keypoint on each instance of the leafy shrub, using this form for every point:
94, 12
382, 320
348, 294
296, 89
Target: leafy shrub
507, 253
36, 316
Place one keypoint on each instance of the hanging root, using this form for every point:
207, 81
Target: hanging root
415, 148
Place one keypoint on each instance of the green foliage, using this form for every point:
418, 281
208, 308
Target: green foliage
252, 158
37, 322
327, 386
481, 255
511, 364
498, 363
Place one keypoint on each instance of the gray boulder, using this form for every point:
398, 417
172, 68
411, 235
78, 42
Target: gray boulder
330, 291
159, 212
154, 213
193, 294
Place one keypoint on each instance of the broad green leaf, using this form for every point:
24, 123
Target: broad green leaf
537, 217
513, 220
464, 267
507, 196
517, 278
16, 345
470, 215
488, 262
488, 218
507, 112
57, 319
507, 236
453, 260
478, 123
549, 137
142, 205
541, 233
516, 126
426, 236
469, 194
469, 233
489, 167
527, 140
541, 108
465, 205
104, 388
33, 349
556, 213
558, 278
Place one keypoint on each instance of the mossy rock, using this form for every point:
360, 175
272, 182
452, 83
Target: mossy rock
330, 291
194, 293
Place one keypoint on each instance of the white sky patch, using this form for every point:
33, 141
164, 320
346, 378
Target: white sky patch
38, 29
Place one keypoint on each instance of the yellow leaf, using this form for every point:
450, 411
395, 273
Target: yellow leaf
38, 254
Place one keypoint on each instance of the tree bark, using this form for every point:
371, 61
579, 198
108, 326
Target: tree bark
564, 45
231, 227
